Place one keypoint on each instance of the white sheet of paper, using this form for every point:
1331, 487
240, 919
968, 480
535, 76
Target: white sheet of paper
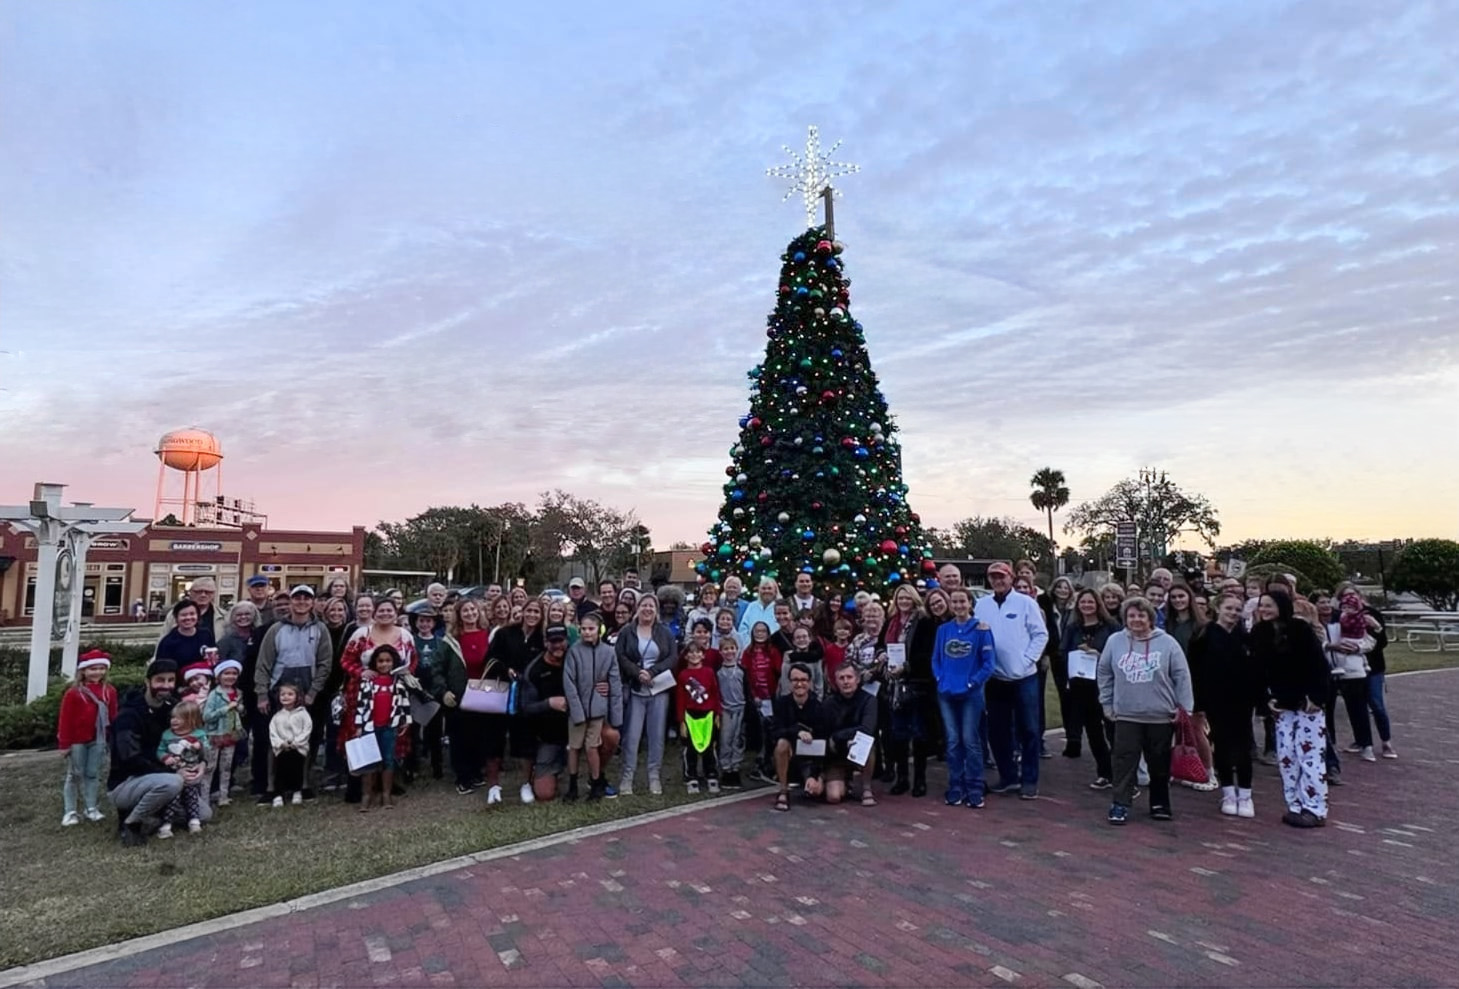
662, 682
896, 655
871, 687
860, 749
1082, 664
814, 749
767, 708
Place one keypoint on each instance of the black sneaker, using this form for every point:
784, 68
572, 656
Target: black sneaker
1161, 813
133, 836
1004, 787
1028, 793
264, 800
308, 794
1118, 814
1101, 783
464, 789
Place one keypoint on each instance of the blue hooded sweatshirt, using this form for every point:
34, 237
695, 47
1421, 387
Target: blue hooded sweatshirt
962, 657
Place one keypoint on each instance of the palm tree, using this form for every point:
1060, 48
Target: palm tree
1049, 494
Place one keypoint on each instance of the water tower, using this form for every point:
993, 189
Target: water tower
197, 455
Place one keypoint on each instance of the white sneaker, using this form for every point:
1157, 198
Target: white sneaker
1389, 752
528, 797
194, 825
713, 785
297, 798
279, 801
70, 819
1142, 777
165, 832
655, 787
494, 796
92, 814
1368, 755
1228, 801
1244, 806
625, 788
222, 800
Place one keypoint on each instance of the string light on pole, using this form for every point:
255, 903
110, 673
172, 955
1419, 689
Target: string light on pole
811, 174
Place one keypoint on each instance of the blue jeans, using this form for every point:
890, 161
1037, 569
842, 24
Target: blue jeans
961, 717
83, 768
1013, 717
1378, 706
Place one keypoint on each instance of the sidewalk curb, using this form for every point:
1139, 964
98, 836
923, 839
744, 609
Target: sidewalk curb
38, 972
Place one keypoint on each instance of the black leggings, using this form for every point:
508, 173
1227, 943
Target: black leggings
1231, 744
1084, 703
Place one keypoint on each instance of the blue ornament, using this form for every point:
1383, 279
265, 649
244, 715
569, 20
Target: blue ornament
744, 421
893, 577
800, 255
837, 353
737, 495
903, 549
802, 291
808, 535
749, 564
862, 453
830, 262
849, 604
932, 584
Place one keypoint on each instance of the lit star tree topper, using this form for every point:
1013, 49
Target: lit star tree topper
811, 174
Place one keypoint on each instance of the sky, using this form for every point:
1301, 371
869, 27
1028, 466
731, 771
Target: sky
409, 254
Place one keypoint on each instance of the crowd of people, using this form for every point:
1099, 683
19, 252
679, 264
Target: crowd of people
302, 691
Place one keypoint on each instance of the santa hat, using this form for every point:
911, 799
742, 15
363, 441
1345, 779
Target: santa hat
197, 669
226, 665
93, 657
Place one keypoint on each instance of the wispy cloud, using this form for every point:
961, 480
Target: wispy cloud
499, 254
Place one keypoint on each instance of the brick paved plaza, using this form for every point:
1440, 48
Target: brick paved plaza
916, 893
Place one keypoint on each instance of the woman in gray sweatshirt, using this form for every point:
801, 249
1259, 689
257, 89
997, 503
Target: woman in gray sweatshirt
1143, 679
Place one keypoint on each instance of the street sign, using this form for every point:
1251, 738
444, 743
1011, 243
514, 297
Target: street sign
1125, 544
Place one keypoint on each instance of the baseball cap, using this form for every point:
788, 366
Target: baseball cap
303, 589
258, 580
555, 632
577, 582
1000, 567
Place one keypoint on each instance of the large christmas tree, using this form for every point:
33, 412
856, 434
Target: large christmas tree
816, 477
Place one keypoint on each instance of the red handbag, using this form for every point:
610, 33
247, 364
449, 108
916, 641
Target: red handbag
1185, 758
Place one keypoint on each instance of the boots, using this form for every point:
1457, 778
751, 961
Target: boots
1244, 806
1228, 801
900, 785
919, 776
596, 788
571, 796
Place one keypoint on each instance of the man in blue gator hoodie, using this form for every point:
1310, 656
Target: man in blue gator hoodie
962, 661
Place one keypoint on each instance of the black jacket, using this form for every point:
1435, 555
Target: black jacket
1224, 675
1075, 634
516, 650
790, 720
918, 674
540, 683
1377, 662
135, 737
1291, 659
845, 716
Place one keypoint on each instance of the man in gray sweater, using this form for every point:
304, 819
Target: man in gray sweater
1143, 679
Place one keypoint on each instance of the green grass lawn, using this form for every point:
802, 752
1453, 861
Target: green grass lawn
67, 890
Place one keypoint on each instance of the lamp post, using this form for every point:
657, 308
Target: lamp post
53, 527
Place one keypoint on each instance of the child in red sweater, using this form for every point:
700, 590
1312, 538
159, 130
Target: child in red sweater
88, 708
698, 709
761, 661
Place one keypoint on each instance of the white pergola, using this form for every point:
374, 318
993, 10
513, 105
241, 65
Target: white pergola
54, 526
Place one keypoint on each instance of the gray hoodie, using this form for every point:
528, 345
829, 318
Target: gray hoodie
583, 668
1144, 680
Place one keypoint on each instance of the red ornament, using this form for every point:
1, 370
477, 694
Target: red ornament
730, 471
888, 545
847, 441
765, 441
901, 530
705, 548
916, 518
824, 247
828, 396
785, 290
929, 567
816, 506
762, 497
754, 422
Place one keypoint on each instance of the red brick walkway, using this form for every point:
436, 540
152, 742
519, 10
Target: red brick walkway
915, 893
